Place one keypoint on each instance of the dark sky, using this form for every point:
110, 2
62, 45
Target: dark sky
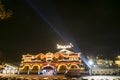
93, 26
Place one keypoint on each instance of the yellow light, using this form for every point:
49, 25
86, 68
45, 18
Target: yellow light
3, 13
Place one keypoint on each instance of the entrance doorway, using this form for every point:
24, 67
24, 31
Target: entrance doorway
48, 70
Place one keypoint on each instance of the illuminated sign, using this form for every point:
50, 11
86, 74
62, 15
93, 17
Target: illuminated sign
64, 46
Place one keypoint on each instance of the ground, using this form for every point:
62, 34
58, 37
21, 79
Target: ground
36, 77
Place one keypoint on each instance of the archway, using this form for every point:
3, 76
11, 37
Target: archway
48, 70
26, 68
62, 69
74, 66
35, 68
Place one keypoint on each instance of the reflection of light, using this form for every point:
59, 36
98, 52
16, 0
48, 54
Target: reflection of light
43, 71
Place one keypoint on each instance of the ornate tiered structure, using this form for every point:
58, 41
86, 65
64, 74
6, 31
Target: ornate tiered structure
59, 62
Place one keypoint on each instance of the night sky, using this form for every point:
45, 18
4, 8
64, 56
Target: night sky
93, 26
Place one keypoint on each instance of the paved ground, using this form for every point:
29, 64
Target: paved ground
37, 77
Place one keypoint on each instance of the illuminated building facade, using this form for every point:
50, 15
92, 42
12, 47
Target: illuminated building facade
117, 62
9, 69
105, 67
59, 62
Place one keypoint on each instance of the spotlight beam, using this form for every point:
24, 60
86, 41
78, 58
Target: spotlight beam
64, 35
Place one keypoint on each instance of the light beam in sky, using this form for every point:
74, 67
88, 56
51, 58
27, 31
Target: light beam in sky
53, 19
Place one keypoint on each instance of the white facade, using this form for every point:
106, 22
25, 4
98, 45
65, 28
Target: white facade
8, 69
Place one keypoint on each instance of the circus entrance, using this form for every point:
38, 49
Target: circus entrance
48, 70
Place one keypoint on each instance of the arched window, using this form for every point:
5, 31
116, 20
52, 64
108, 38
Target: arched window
35, 68
26, 68
62, 69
